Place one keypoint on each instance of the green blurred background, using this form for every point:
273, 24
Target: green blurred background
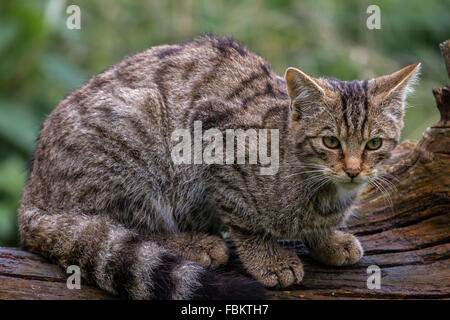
41, 60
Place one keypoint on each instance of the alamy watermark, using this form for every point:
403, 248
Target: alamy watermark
374, 278
208, 147
74, 19
74, 280
374, 20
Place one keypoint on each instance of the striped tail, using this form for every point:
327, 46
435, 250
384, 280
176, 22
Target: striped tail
123, 262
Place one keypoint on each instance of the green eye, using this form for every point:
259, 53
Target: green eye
331, 142
374, 144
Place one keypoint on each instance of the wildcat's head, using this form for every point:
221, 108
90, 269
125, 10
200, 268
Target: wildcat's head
342, 130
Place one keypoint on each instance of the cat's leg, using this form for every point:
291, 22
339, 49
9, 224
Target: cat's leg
335, 248
207, 250
266, 260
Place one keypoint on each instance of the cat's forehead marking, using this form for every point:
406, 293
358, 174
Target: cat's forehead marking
354, 104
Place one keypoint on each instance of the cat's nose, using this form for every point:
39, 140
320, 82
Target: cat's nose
352, 172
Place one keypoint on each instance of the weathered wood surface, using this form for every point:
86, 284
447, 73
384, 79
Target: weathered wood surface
406, 235
25, 275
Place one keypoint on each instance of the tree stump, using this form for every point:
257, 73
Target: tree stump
407, 236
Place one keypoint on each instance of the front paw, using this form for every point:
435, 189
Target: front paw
339, 249
276, 271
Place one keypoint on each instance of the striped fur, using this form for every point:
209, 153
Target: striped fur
104, 194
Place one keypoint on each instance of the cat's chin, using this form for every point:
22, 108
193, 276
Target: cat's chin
350, 186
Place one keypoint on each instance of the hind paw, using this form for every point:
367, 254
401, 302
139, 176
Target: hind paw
206, 250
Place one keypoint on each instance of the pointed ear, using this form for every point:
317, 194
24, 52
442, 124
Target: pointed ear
300, 84
396, 85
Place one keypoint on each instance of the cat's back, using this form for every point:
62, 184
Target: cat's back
177, 77
212, 79
121, 120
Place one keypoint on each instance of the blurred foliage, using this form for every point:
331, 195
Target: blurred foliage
42, 60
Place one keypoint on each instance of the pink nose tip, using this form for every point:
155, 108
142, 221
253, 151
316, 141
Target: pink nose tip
352, 172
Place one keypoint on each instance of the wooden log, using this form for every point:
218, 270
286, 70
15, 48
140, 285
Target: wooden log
407, 235
25, 275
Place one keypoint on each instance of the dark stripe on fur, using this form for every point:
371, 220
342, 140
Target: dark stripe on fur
159, 78
366, 104
244, 84
121, 267
225, 44
344, 111
212, 114
168, 51
196, 92
163, 285
265, 68
268, 90
216, 286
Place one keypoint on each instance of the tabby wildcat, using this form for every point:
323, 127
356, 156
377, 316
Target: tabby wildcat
104, 193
